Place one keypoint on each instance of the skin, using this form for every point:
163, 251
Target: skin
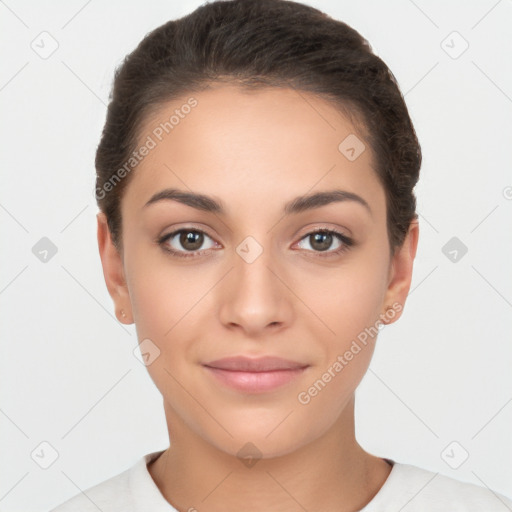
255, 152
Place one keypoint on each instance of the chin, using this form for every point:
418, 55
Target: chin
261, 441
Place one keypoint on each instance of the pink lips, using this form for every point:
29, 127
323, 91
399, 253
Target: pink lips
255, 375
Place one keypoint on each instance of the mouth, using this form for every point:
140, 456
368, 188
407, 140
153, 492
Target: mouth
255, 375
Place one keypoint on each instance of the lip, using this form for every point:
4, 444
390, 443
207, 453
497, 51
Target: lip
255, 364
255, 375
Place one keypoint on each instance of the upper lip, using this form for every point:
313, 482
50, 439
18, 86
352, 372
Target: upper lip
260, 364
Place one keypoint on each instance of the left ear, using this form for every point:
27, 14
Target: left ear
400, 274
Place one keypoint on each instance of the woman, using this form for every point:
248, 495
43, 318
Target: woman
255, 179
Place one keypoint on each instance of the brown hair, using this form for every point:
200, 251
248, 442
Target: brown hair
259, 43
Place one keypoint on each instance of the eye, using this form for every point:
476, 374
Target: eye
184, 241
188, 242
321, 240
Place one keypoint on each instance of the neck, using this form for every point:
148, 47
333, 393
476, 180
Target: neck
331, 473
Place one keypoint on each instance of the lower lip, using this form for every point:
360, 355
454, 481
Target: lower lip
255, 382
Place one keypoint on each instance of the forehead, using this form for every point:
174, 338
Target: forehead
266, 143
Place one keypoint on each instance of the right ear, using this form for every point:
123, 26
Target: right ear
113, 271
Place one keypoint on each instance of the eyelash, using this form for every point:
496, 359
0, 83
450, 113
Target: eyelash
347, 243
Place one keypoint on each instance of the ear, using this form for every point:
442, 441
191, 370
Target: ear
400, 275
113, 272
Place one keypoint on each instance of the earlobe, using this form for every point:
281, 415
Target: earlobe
113, 272
401, 273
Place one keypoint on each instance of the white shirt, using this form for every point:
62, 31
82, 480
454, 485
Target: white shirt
407, 489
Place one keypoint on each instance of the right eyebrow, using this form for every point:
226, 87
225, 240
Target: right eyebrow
193, 199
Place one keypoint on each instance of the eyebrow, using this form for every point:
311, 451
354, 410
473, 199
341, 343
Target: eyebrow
299, 204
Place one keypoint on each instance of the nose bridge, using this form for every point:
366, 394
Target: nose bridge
255, 297
253, 261
252, 270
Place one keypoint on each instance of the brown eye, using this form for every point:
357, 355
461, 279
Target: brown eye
321, 241
191, 240
186, 242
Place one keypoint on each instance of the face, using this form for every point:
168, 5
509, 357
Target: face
253, 269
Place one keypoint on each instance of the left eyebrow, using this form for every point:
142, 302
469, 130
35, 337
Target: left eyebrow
297, 205
309, 202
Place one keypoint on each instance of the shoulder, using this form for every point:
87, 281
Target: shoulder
459, 495
416, 489
111, 495
130, 491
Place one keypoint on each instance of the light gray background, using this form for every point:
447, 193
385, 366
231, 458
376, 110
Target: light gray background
69, 377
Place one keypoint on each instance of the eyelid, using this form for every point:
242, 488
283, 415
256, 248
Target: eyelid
163, 239
178, 229
320, 226
346, 241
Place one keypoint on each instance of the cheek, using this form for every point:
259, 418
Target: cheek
350, 306
348, 298
170, 304
163, 301
162, 294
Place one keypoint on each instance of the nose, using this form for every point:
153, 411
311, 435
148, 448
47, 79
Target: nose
255, 298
